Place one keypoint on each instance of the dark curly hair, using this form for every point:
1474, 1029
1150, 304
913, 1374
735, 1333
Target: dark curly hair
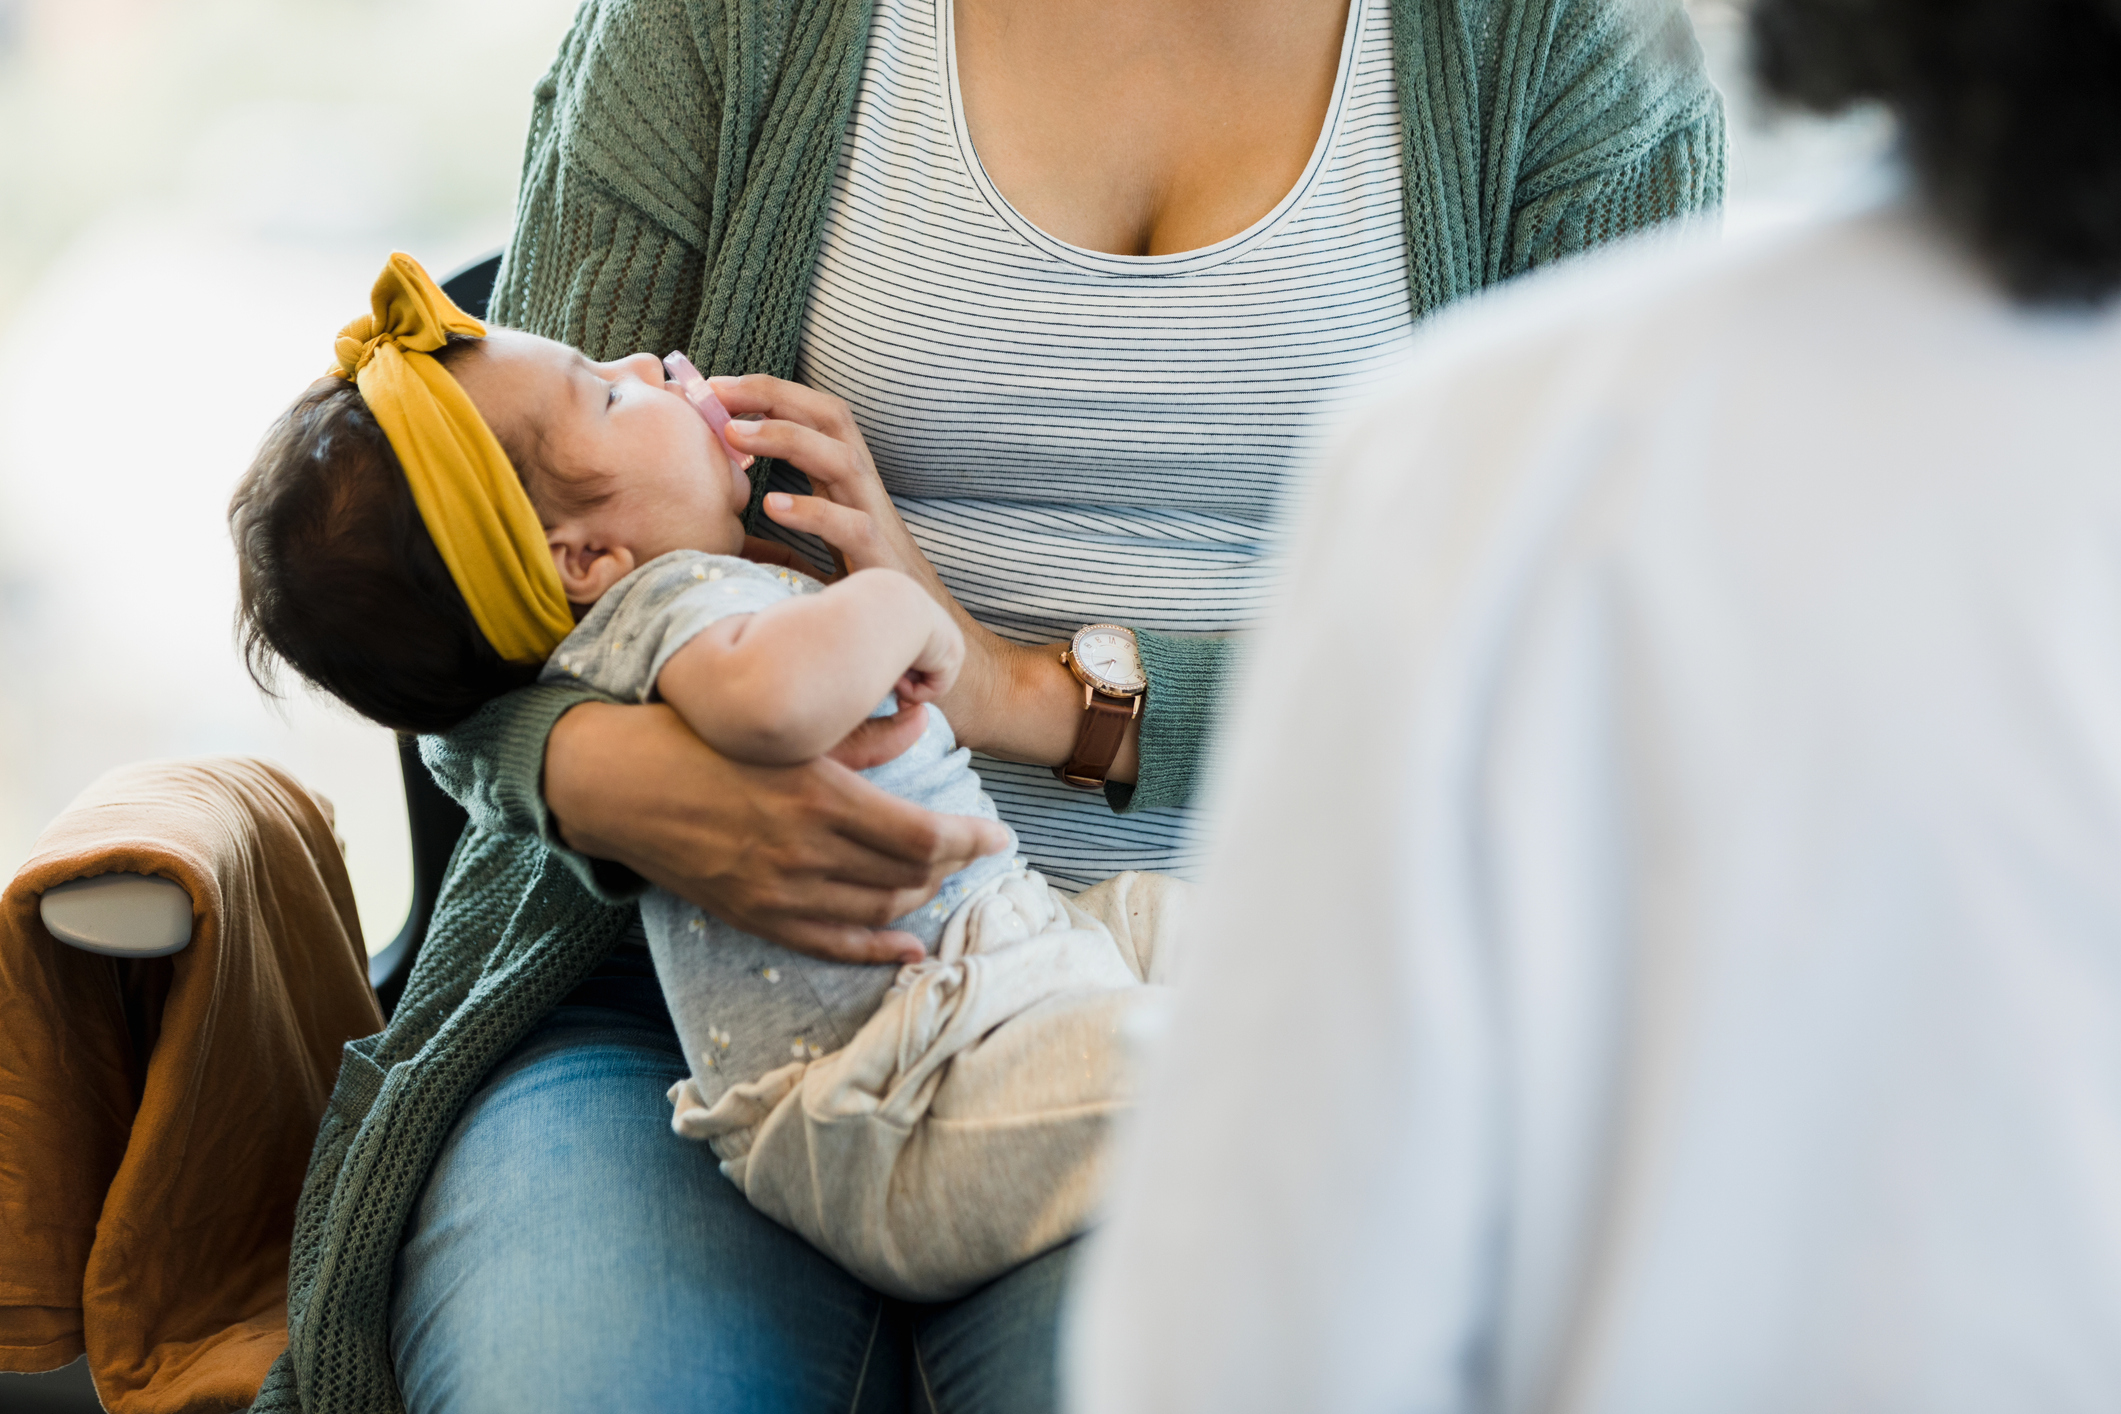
2010, 113
339, 579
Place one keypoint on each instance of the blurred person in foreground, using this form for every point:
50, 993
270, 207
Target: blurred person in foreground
1683, 971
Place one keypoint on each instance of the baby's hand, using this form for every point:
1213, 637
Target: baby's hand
935, 671
876, 740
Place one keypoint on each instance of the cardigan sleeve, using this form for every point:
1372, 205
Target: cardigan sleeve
1624, 132
1186, 675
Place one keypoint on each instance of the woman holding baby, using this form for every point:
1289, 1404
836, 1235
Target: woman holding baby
1074, 283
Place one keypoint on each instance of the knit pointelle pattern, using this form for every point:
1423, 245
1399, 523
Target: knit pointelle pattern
675, 186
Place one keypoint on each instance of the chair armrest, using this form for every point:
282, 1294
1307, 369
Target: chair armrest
119, 915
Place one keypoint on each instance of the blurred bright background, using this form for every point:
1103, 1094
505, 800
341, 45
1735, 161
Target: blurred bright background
194, 195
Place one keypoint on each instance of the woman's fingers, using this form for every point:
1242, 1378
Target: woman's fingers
811, 856
851, 532
839, 463
779, 398
943, 844
871, 909
887, 842
816, 434
836, 942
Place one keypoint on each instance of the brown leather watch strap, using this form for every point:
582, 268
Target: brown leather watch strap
1097, 744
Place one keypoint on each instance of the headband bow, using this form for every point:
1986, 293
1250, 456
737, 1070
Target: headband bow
467, 492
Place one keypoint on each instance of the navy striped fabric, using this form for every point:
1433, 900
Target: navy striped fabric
1074, 436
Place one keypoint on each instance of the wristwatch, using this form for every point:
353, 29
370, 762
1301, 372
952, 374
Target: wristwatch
1108, 663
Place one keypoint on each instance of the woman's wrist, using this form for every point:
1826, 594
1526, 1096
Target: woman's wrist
1024, 705
577, 773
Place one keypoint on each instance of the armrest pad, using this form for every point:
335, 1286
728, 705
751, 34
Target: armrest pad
119, 915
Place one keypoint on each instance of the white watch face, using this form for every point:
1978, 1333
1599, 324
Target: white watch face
1109, 655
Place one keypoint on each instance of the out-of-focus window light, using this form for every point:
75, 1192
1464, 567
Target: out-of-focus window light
194, 195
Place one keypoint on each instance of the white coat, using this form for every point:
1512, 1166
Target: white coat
1662, 953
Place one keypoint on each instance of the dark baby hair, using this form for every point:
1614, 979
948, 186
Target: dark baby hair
2010, 111
339, 579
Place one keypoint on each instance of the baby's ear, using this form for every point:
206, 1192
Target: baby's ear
586, 568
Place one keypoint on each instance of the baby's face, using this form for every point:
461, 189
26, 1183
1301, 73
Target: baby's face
653, 477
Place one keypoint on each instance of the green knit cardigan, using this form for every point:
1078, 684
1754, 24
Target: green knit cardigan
675, 184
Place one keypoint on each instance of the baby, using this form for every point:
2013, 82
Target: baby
418, 531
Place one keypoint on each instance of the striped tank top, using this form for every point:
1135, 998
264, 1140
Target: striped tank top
1073, 436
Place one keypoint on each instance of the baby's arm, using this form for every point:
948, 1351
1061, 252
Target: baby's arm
787, 683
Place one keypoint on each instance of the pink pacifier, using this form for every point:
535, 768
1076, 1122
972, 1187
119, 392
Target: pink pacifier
704, 402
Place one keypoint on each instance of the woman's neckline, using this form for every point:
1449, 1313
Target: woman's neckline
1171, 262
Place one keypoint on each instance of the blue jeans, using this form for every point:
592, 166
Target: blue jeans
569, 1252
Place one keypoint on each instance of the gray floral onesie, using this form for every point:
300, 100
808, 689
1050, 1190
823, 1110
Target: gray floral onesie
927, 1126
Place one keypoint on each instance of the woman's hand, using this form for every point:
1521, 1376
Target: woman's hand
816, 434
1011, 701
812, 857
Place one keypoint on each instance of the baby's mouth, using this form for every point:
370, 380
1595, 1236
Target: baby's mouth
704, 402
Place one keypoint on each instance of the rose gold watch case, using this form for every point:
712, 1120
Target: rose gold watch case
1090, 677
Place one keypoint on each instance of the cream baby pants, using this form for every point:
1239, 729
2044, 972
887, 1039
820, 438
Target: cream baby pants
963, 1130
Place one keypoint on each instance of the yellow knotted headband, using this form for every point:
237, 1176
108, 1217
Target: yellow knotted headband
469, 497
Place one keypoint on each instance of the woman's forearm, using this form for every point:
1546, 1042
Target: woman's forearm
1024, 705
1028, 707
